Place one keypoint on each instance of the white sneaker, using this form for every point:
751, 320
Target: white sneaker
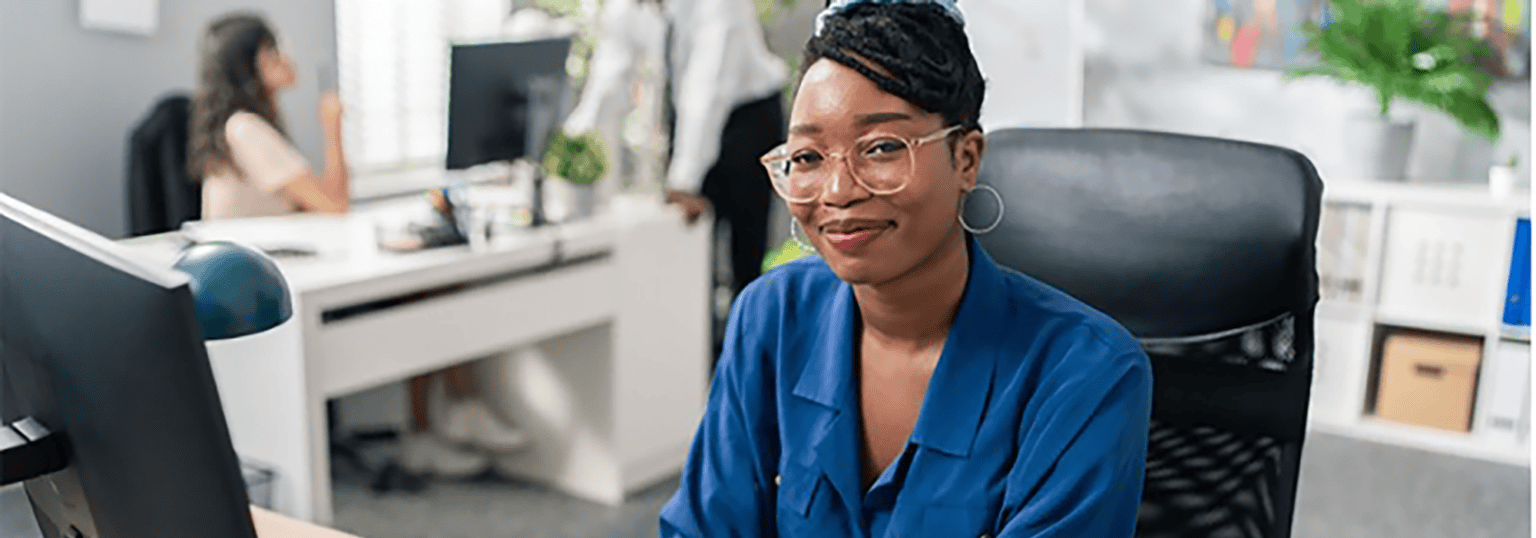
470, 422
426, 453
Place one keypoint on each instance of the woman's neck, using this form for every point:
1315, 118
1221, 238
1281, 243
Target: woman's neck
917, 308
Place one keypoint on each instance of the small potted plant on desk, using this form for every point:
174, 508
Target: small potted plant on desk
578, 160
1401, 49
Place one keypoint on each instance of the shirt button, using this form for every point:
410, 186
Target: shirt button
775, 480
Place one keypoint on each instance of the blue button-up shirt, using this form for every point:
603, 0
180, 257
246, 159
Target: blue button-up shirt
1034, 423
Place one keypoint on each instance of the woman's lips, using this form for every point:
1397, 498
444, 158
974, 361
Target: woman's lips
851, 240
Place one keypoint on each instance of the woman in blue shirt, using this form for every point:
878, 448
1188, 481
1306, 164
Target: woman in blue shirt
904, 384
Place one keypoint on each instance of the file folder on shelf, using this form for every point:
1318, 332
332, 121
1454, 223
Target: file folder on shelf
1517, 304
1506, 402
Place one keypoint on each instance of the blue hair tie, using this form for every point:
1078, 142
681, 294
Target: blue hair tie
839, 6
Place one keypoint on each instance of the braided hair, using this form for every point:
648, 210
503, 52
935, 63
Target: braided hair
914, 51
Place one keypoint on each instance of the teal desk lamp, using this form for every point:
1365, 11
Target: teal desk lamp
239, 291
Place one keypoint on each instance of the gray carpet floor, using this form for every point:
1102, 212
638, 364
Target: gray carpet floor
1358, 489
1349, 489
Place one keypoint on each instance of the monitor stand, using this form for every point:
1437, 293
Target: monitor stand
58, 503
543, 108
536, 215
32, 454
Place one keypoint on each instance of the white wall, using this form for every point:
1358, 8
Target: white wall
70, 97
1143, 71
1030, 52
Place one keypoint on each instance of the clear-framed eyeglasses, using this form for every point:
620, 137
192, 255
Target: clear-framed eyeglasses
882, 164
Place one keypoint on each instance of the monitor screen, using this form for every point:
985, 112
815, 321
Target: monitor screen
503, 99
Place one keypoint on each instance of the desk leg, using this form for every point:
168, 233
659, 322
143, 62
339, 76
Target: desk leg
661, 346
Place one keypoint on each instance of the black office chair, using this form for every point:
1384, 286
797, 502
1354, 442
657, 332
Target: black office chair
1204, 249
161, 194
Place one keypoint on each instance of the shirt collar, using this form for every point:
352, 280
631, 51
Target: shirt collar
961, 383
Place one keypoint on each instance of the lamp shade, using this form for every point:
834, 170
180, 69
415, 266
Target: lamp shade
238, 290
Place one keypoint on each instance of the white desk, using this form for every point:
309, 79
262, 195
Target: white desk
612, 315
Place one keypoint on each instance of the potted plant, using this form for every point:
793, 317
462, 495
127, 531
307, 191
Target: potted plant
1502, 176
1401, 49
579, 160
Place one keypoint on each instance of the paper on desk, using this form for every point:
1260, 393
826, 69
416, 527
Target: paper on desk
326, 235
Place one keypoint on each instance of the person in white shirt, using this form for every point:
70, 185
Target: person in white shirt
726, 93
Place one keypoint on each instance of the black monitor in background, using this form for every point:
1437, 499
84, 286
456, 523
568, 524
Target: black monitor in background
503, 99
108, 407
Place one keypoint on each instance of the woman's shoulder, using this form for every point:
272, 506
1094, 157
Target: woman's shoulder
1050, 313
245, 123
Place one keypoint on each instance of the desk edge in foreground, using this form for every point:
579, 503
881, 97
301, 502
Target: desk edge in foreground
274, 525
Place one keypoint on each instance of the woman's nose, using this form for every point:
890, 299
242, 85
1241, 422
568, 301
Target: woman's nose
842, 188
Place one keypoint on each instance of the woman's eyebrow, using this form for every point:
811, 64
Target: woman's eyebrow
864, 120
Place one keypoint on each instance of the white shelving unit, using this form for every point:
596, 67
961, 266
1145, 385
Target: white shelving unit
1419, 256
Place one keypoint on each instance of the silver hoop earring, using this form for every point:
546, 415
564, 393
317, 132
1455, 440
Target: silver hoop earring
804, 244
1000, 210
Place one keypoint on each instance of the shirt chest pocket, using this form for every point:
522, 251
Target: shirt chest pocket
940, 520
803, 496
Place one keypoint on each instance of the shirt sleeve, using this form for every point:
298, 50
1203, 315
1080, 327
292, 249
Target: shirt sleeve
702, 107
1094, 425
606, 88
263, 156
725, 489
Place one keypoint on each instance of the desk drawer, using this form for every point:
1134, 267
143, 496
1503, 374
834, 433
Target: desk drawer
412, 338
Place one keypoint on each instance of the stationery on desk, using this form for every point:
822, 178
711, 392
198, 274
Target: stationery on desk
312, 235
446, 228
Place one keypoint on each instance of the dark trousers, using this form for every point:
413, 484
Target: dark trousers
737, 185
738, 188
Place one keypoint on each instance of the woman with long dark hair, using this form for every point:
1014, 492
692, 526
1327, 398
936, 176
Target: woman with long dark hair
240, 148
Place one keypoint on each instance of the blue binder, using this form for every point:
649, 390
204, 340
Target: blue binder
1517, 301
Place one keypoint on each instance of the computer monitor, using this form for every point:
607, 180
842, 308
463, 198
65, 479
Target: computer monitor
105, 355
503, 99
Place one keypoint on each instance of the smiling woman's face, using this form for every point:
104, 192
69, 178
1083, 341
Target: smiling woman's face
867, 238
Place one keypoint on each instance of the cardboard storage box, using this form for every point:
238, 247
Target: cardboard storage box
1429, 379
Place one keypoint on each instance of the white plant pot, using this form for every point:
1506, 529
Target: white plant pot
583, 200
1501, 181
1378, 147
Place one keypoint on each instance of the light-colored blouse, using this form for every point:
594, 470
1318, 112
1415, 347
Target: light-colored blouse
264, 162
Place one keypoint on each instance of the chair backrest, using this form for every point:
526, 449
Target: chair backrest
161, 194
1204, 249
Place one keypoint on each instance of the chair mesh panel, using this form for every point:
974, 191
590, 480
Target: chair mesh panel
1207, 482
